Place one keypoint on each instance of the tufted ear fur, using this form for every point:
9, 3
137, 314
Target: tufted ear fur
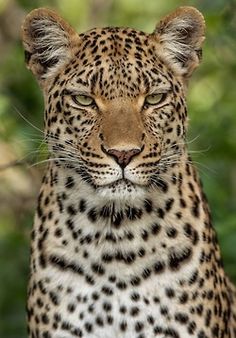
48, 41
181, 35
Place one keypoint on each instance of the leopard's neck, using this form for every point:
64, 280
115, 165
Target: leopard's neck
165, 232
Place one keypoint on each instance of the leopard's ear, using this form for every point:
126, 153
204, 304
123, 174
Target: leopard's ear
48, 41
181, 35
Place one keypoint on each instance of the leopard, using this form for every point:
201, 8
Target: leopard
123, 244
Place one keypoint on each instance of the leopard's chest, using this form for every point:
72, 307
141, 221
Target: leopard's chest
106, 310
110, 285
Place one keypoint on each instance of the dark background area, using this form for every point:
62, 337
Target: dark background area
212, 131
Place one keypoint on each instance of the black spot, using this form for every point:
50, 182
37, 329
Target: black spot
183, 298
144, 235
141, 252
58, 107
156, 300
170, 293
135, 296
164, 310
107, 257
44, 318
195, 208
158, 329
171, 332
71, 308
89, 279
169, 204
107, 290
191, 233
99, 321
107, 306
112, 278
54, 298
135, 281
92, 215
159, 267
106, 211
148, 206
82, 205
42, 261
129, 236
70, 182
110, 237
162, 185
155, 228
192, 327
88, 327
160, 213
95, 296
201, 334
133, 213
110, 320
117, 219
98, 269
123, 309
146, 273
182, 318
178, 258
150, 319
123, 326
129, 257
139, 326
121, 285
134, 311
171, 232
46, 334
71, 210
182, 203
193, 278
63, 264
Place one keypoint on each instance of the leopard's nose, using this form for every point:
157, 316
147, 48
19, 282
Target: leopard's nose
122, 157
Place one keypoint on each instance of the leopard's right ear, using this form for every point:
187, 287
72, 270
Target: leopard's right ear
49, 42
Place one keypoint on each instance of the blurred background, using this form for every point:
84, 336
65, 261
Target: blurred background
212, 132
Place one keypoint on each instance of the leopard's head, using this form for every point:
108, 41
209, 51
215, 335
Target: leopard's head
115, 108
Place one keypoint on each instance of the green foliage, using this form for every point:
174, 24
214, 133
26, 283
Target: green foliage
212, 131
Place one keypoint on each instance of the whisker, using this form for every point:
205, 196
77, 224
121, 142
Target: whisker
25, 119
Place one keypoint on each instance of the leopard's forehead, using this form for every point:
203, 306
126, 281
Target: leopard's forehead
118, 62
115, 39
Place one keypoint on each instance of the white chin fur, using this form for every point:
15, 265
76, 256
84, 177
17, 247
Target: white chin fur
122, 192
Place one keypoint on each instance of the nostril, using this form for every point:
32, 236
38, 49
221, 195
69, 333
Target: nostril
123, 157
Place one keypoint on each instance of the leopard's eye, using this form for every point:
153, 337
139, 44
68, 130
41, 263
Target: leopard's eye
83, 100
155, 99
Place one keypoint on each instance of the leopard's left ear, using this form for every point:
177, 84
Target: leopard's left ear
180, 35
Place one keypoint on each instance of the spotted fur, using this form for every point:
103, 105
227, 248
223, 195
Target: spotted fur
122, 244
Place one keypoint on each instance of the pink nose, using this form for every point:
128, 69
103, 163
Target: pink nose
123, 157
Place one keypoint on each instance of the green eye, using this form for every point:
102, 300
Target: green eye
83, 100
154, 99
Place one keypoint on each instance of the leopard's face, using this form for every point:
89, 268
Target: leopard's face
116, 112
115, 101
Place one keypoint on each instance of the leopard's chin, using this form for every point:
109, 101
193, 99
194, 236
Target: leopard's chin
123, 190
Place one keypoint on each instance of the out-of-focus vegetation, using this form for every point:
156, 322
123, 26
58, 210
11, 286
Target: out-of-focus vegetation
212, 133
